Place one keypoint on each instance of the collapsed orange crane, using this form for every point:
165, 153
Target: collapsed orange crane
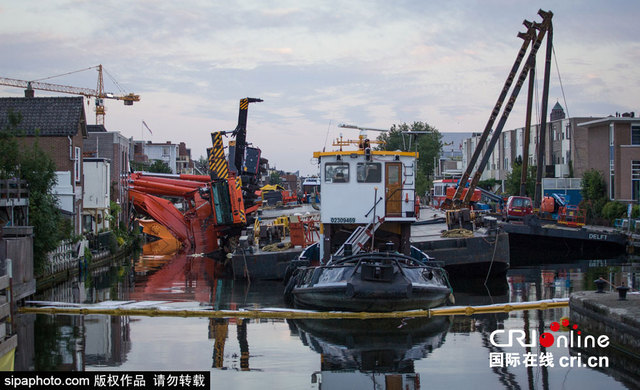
213, 207
210, 210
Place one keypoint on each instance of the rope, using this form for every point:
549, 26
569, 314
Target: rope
555, 58
495, 247
297, 314
66, 74
280, 246
459, 233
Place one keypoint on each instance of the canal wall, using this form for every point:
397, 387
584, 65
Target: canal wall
16, 243
99, 260
604, 314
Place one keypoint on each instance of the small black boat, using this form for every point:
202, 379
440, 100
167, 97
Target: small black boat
372, 282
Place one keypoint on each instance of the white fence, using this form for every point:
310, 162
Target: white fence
65, 256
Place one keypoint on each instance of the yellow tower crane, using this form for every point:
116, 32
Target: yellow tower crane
97, 93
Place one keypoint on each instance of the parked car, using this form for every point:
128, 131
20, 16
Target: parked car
517, 207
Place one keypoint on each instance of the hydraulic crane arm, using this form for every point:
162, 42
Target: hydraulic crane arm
528, 37
240, 133
544, 27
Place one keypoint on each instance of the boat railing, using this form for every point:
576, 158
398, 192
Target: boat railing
373, 207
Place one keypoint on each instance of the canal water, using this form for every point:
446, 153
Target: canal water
440, 353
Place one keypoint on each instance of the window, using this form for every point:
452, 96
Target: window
612, 176
165, 151
336, 173
567, 131
369, 172
635, 135
635, 180
393, 172
77, 164
612, 167
611, 128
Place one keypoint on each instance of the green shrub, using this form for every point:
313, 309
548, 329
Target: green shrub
613, 210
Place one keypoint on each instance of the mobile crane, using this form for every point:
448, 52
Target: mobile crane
213, 211
534, 36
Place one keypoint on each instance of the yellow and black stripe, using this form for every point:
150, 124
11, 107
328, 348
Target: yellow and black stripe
243, 217
218, 165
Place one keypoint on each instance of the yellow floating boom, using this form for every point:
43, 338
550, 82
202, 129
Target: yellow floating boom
121, 309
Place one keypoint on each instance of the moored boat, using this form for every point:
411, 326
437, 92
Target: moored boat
371, 281
364, 260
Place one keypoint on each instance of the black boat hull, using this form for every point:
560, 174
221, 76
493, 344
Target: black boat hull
373, 299
372, 283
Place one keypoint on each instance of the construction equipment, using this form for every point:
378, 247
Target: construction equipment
99, 94
244, 161
212, 212
273, 195
535, 35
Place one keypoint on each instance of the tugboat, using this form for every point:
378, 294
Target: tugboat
364, 260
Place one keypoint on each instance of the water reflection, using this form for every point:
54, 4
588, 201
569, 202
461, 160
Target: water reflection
371, 353
406, 352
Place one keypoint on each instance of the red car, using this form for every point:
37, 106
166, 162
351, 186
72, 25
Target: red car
517, 207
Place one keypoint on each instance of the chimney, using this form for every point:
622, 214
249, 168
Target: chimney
29, 92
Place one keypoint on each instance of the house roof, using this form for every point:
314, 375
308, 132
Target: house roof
51, 116
96, 129
607, 120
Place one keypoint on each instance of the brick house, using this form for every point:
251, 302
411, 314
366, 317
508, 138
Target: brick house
118, 150
61, 126
613, 148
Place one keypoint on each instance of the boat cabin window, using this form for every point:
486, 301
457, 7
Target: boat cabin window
369, 172
336, 173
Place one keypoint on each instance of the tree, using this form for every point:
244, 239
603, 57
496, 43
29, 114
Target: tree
34, 166
201, 165
594, 193
159, 166
594, 187
427, 145
274, 178
514, 178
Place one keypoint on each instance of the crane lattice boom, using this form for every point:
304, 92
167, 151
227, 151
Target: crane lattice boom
98, 93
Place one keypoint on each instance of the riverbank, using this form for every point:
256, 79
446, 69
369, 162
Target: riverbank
605, 314
98, 260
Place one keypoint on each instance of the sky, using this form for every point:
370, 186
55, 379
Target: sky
317, 64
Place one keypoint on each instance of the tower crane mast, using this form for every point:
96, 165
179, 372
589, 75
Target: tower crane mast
97, 93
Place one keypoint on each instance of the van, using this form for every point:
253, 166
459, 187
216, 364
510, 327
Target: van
517, 207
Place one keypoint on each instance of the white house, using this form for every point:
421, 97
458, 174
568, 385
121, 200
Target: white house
97, 194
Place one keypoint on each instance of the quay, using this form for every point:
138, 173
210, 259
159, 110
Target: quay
484, 252
604, 314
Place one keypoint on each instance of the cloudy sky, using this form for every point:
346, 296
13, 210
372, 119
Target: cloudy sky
317, 63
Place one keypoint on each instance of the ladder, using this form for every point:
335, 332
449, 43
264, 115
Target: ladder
359, 237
